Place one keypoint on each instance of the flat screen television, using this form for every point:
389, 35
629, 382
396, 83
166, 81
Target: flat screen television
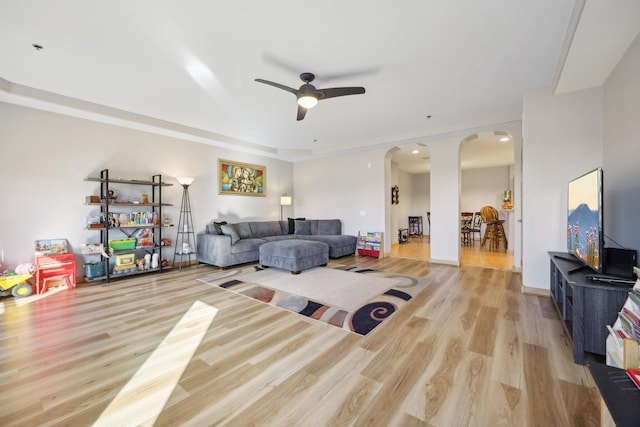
585, 237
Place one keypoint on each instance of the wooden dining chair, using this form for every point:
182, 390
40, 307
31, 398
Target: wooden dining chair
476, 227
466, 221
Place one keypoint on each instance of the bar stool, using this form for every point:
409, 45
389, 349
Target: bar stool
494, 231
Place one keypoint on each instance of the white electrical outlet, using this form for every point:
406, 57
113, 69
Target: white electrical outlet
363, 213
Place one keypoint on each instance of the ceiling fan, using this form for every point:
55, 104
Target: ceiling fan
308, 96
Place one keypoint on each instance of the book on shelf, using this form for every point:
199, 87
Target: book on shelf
370, 243
634, 374
634, 295
623, 343
133, 219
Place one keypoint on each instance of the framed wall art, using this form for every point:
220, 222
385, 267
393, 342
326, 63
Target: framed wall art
241, 179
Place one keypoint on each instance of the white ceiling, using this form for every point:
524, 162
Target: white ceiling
188, 68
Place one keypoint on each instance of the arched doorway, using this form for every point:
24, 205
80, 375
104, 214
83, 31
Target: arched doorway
409, 175
468, 169
487, 173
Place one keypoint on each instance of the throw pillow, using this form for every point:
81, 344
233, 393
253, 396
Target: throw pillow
292, 226
329, 227
303, 227
229, 230
243, 229
217, 226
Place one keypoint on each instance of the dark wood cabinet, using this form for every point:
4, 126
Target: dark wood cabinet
585, 307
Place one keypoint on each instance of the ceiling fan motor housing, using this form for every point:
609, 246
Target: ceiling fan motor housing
307, 90
307, 77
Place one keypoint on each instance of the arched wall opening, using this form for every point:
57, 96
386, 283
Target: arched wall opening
487, 161
449, 178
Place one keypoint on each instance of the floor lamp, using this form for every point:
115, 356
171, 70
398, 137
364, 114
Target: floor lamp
285, 200
185, 241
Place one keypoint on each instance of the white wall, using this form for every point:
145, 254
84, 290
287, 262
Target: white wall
46, 157
621, 166
422, 198
562, 139
406, 205
568, 135
483, 187
445, 195
344, 187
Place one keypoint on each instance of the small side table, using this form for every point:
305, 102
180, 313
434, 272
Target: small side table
415, 226
403, 235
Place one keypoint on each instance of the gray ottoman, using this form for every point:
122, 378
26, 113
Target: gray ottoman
294, 255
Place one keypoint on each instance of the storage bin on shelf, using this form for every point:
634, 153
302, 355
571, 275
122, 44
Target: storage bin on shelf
122, 244
94, 269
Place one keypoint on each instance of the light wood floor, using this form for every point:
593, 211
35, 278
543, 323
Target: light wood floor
470, 350
420, 248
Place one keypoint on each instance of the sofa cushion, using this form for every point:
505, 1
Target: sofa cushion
230, 230
210, 228
339, 245
329, 227
217, 226
314, 226
302, 228
265, 228
244, 230
292, 225
247, 245
280, 237
214, 227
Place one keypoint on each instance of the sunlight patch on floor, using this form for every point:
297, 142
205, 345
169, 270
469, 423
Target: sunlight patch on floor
142, 399
30, 299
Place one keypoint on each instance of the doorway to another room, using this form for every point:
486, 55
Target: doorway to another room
486, 167
474, 255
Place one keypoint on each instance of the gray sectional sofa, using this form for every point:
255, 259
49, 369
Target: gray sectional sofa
224, 244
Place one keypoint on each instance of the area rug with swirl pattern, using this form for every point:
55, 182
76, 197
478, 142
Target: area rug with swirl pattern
351, 298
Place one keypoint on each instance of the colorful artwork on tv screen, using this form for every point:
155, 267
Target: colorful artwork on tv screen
583, 225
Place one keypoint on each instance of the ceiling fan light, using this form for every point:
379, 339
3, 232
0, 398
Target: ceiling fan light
307, 101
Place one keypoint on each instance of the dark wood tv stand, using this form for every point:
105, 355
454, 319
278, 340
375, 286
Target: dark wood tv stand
585, 307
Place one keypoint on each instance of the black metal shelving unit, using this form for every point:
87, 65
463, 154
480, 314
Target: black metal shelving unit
107, 207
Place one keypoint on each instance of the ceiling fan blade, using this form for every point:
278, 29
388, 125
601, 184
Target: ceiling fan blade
301, 112
373, 70
278, 85
339, 91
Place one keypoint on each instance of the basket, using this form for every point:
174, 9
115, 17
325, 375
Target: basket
122, 244
94, 269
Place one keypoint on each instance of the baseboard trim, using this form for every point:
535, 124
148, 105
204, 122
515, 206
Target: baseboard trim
444, 261
536, 291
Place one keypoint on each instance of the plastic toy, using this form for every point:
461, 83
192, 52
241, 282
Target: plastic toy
25, 268
16, 285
